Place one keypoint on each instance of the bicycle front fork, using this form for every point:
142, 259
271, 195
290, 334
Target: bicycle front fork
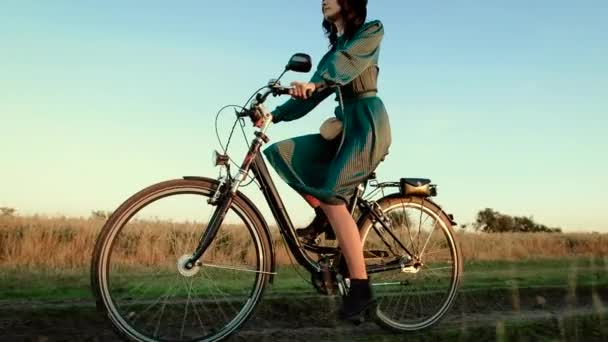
212, 228
223, 196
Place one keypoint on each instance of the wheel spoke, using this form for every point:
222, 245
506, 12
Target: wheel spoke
418, 236
198, 315
188, 290
162, 311
427, 240
407, 226
235, 268
159, 299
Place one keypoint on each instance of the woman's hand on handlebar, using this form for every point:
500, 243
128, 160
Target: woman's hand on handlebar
298, 90
302, 90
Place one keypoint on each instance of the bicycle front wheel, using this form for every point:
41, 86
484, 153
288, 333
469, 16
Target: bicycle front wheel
138, 274
418, 295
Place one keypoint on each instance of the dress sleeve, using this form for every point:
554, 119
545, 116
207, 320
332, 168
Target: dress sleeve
350, 60
294, 109
338, 67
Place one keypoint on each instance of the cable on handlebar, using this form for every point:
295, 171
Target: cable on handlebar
217, 134
274, 90
225, 148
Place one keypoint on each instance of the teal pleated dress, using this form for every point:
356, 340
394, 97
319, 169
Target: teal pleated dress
330, 170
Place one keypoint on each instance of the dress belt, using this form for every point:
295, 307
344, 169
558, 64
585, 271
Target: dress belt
359, 95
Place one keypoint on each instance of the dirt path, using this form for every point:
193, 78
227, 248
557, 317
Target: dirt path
477, 316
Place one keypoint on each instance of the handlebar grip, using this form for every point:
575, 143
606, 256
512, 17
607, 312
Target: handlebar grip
285, 91
282, 91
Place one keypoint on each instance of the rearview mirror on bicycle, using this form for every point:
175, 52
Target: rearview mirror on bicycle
299, 62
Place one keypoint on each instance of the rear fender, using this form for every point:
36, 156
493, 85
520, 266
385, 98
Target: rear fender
399, 195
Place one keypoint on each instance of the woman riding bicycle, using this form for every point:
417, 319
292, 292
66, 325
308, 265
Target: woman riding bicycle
326, 170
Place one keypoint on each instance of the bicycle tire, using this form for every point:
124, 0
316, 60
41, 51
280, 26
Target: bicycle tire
101, 281
400, 320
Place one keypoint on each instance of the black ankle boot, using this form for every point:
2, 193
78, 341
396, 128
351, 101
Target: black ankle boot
359, 299
319, 225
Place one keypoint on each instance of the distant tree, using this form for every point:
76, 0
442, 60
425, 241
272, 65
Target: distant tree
6, 211
100, 214
491, 221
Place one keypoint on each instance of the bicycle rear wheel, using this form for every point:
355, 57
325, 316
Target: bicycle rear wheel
138, 274
414, 297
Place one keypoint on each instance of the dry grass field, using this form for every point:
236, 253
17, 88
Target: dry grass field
63, 243
534, 286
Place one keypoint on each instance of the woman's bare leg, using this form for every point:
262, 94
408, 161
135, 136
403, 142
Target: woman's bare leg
348, 237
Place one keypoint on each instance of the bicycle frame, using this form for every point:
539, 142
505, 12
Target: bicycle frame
280, 214
287, 229
255, 163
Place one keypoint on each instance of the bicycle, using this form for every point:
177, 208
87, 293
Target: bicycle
218, 267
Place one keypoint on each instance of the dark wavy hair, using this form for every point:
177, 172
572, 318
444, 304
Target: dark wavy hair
354, 13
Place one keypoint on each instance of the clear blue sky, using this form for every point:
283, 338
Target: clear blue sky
503, 104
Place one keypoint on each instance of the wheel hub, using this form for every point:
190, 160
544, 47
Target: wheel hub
181, 266
415, 268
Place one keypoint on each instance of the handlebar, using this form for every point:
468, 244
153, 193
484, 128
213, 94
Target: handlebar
260, 98
285, 91
281, 90
275, 90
